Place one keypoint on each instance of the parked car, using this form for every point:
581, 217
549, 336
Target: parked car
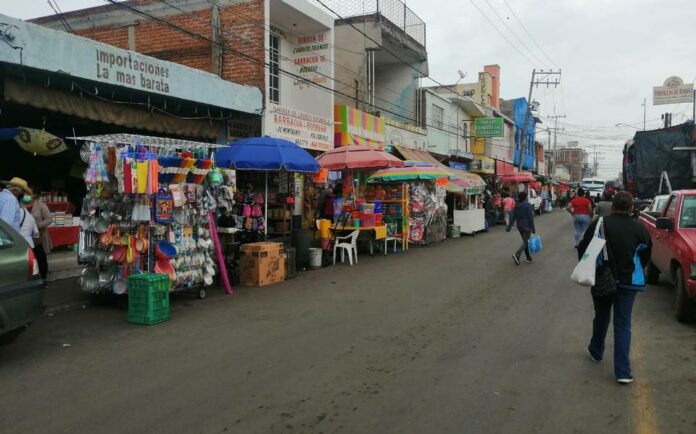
657, 205
673, 234
21, 289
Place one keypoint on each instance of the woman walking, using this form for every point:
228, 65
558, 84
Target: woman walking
43, 218
580, 208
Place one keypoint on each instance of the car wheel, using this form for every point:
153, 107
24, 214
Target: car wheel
653, 273
684, 307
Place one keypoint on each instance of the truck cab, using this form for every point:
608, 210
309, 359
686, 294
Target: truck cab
673, 235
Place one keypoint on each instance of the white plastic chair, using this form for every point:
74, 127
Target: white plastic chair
386, 242
350, 247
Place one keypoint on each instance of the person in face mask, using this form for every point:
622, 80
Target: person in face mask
43, 217
11, 194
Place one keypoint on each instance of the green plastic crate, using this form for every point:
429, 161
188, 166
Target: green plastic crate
148, 298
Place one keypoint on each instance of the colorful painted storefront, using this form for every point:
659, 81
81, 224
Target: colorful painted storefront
355, 127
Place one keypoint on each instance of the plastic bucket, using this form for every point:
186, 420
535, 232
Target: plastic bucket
315, 257
324, 228
378, 207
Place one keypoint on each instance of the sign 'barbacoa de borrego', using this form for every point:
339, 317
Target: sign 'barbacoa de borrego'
489, 127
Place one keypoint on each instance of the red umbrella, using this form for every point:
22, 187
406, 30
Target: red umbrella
357, 157
516, 177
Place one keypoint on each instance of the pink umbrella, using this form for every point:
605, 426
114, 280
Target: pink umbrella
357, 157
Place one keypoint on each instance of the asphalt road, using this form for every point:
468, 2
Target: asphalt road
452, 338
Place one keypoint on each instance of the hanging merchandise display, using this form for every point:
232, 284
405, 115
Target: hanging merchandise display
428, 213
147, 211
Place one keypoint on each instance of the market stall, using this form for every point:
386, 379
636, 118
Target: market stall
426, 215
356, 211
149, 209
466, 197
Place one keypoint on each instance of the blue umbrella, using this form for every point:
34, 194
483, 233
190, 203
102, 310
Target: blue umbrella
266, 153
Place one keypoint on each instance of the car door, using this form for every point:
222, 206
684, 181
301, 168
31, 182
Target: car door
661, 252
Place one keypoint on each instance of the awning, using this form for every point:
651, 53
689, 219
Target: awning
516, 178
465, 182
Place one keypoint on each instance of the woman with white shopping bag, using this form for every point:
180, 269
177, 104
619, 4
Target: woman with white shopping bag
613, 254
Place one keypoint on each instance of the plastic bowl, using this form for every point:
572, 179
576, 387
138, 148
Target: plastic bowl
165, 250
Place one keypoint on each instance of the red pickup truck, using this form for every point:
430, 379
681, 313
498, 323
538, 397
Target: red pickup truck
673, 235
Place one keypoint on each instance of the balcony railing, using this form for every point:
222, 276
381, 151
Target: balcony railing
393, 11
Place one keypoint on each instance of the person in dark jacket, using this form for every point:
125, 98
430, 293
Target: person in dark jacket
628, 249
523, 214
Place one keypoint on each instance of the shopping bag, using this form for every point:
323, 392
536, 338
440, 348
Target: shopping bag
534, 244
584, 273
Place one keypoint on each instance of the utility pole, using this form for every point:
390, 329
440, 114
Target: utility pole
645, 108
555, 139
538, 78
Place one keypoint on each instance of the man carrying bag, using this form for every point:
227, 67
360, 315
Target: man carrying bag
618, 277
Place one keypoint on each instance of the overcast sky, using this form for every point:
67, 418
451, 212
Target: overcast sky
611, 52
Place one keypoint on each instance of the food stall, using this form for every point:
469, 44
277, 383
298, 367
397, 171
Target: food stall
467, 198
149, 209
357, 213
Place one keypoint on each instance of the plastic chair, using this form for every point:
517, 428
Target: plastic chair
350, 247
386, 242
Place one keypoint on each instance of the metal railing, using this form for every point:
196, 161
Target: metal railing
393, 11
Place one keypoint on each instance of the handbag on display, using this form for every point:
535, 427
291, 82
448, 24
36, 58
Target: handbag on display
585, 271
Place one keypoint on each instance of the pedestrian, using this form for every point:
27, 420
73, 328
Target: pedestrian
508, 207
27, 227
544, 199
603, 208
580, 208
10, 195
523, 214
627, 242
42, 245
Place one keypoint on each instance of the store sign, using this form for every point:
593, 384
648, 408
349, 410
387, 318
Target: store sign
311, 58
484, 165
308, 130
355, 127
673, 91
402, 137
489, 127
35, 46
460, 166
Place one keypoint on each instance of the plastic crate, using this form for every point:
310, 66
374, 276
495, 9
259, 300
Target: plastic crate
148, 298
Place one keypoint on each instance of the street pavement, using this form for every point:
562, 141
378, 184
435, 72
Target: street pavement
452, 338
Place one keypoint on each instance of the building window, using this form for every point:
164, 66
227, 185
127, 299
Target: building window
438, 115
274, 70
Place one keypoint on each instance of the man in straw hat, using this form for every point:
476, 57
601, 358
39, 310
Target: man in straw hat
11, 194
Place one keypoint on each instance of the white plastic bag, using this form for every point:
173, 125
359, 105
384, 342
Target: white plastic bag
584, 272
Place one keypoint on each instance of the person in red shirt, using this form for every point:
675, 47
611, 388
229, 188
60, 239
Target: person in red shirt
580, 208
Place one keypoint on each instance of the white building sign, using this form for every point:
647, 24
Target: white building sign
308, 130
673, 91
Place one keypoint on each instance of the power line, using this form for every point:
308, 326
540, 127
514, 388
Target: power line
531, 37
531, 63
541, 62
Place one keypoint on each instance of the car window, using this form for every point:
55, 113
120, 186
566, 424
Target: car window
661, 204
5, 239
672, 208
688, 213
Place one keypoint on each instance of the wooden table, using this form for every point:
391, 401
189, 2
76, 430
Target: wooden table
374, 233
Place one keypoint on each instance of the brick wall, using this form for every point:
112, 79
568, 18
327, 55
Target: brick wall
242, 31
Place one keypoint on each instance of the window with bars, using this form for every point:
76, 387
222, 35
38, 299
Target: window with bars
274, 70
438, 116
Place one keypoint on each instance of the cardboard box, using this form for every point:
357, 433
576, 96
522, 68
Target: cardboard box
261, 264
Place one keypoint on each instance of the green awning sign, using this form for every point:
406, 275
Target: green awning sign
489, 127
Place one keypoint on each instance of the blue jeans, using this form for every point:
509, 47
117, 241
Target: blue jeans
622, 303
580, 224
